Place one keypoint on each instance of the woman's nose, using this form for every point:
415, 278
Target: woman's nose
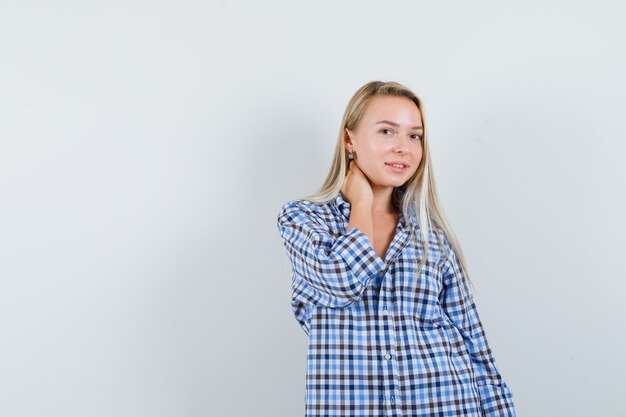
401, 144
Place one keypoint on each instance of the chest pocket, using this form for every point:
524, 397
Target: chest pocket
417, 293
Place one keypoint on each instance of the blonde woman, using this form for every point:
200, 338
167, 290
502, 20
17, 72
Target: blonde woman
380, 284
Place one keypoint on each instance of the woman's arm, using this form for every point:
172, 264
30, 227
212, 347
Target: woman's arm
329, 270
458, 304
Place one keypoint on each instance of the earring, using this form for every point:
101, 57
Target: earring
350, 155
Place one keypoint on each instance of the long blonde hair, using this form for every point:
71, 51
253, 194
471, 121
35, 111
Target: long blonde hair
419, 191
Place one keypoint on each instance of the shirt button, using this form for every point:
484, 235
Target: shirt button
393, 400
385, 312
387, 356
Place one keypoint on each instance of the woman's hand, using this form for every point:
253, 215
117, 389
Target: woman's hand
357, 191
356, 187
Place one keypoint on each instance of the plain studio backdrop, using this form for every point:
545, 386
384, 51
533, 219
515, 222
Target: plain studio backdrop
147, 147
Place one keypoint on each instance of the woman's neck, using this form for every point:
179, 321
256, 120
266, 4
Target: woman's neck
382, 202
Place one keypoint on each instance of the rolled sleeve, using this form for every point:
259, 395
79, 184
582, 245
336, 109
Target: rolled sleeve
355, 249
329, 269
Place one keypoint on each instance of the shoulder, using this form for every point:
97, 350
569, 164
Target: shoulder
438, 244
443, 238
448, 255
300, 211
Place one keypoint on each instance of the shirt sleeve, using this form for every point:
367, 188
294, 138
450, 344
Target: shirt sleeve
458, 304
330, 270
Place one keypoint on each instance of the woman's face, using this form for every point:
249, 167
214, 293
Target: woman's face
390, 130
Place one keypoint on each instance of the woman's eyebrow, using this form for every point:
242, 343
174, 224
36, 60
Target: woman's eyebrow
397, 125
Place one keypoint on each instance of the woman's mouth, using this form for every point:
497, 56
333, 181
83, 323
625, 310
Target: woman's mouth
397, 168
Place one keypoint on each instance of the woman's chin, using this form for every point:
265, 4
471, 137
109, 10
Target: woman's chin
394, 182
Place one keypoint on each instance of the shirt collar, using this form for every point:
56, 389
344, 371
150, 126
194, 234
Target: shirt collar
343, 207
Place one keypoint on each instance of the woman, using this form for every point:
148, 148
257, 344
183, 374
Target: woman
392, 325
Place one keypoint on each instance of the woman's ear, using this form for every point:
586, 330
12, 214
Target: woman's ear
347, 140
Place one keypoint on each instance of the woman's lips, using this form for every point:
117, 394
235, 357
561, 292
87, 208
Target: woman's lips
397, 170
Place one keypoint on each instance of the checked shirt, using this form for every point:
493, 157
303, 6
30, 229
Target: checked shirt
383, 340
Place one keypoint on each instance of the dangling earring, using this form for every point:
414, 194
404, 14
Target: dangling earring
350, 155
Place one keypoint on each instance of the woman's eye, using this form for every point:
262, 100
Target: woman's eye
414, 137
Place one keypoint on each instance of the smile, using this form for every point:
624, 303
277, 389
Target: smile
397, 168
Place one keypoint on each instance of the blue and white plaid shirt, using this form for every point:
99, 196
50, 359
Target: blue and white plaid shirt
382, 340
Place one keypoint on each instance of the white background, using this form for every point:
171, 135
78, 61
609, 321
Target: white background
146, 148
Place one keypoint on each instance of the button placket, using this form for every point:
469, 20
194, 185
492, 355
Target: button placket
391, 371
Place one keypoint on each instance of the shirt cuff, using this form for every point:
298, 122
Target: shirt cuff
356, 250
